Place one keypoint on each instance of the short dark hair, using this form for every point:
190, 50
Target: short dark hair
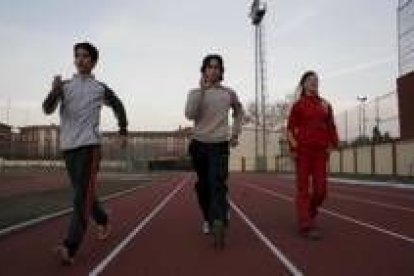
208, 59
304, 77
90, 48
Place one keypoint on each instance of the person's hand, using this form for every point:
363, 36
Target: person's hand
234, 141
57, 84
293, 148
293, 144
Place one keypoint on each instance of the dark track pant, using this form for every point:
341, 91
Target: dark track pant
210, 161
82, 165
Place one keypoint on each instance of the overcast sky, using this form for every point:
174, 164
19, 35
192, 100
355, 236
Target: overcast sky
151, 51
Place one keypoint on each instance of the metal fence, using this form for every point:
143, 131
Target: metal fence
377, 118
388, 159
144, 150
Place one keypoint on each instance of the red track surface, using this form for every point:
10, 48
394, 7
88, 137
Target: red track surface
172, 244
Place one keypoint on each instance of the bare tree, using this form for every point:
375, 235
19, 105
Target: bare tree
276, 112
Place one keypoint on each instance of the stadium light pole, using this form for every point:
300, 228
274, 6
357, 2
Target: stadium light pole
257, 13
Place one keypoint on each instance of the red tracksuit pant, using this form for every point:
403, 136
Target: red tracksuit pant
311, 184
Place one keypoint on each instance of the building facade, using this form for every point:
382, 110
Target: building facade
148, 145
405, 23
405, 82
5, 139
36, 142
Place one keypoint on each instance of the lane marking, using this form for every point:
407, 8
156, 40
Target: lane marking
378, 193
336, 194
105, 262
386, 184
337, 215
276, 251
372, 202
343, 182
363, 182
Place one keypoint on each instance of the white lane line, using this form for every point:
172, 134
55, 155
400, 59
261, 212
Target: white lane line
372, 202
337, 215
386, 184
20, 226
104, 263
276, 251
363, 182
336, 194
355, 189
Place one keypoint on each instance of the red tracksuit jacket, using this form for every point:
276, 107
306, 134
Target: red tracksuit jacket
312, 124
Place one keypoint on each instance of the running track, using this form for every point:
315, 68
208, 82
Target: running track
156, 231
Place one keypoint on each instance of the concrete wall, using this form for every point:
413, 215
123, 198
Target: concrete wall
405, 158
335, 162
383, 160
246, 150
348, 160
364, 160
392, 158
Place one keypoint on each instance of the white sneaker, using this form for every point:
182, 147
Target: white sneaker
104, 231
206, 228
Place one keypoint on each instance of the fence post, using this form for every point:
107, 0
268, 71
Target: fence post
394, 158
373, 165
275, 163
355, 151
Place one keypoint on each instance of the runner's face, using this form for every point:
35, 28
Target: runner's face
311, 84
83, 61
212, 72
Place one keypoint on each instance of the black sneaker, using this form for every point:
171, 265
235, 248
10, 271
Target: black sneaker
313, 234
219, 234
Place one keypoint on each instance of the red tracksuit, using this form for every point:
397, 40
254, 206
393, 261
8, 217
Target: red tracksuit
312, 124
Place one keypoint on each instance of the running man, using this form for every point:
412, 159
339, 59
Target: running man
81, 99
